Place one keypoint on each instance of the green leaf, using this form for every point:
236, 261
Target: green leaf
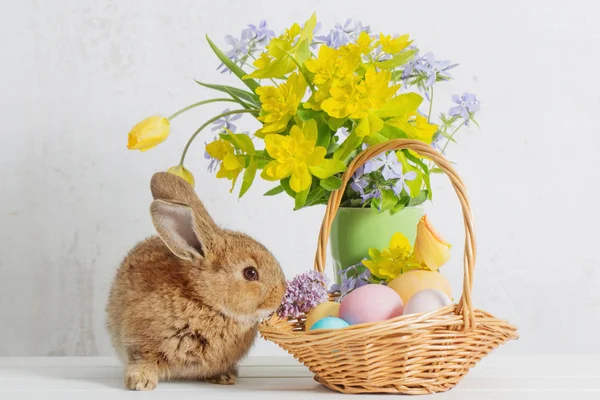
397, 60
276, 190
300, 199
248, 178
240, 73
398, 207
420, 198
305, 114
336, 123
241, 94
448, 136
399, 105
240, 141
388, 199
327, 168
316, 196
285, 184
347, 147
332, 183
437, 170
325, 133
392, 132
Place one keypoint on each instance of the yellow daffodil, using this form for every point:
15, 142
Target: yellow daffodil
279, 104
393, 45
231, 164
430, 249
329, 65
294, 43
359, 98
148, 133
393, 261
297, 156
182, 172
354, 51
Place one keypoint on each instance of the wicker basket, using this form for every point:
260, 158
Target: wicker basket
412, 354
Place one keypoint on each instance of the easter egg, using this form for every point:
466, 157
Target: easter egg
370, 303
411, 282
329, 323
327, 309
426, 301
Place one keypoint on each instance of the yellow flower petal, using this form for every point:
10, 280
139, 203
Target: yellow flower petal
231, 162
430, 248
148, 133
301, 178
182, 172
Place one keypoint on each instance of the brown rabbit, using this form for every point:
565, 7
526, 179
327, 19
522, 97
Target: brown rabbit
186, 304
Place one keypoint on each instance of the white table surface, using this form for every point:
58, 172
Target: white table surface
496, 377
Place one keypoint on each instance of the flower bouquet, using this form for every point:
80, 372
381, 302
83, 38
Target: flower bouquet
320, 101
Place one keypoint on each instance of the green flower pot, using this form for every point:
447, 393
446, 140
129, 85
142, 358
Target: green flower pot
355, 230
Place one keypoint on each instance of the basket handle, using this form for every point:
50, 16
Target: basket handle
465, 306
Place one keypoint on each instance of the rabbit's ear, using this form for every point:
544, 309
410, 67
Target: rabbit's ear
172, 188
179, 229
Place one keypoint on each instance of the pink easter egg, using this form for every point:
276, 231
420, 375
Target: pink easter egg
370, 303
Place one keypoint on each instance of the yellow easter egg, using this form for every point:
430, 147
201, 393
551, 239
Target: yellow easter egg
327, 309
411, 282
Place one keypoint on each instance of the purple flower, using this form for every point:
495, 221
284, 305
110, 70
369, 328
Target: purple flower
392, 168
401, 183
225, 122
240, 49
303, 293
429, 67
261, 33
353, 277
359, 182
338, 36
375, 194
359, 28
467, 106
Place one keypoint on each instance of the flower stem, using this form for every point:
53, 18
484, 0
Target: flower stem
310, 84
451, 136
204, 125
430, 105
198, 104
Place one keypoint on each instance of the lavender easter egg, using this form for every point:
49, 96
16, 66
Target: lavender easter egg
426, 301
370, 303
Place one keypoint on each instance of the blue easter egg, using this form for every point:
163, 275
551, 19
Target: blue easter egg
329, 323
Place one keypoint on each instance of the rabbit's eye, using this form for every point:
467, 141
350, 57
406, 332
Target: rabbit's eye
250, 274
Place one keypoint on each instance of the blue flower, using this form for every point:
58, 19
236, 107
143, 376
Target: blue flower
225, 122
261, 33
240, 49
467, 105
392, 168
359, 182
435, 143
338, 36
401, 183
428, 67
352, 278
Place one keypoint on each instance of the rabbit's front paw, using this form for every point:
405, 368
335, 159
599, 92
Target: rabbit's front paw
228, 378
141, 377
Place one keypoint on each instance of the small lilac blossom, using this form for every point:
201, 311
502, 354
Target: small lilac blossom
338, 36
389, 162
261, 33
467, 105
240, 49
351, 279
359, 28
401, 183
225, 122
303, 293
375, 194
359, 181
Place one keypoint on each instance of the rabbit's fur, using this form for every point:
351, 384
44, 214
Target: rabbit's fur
180, 306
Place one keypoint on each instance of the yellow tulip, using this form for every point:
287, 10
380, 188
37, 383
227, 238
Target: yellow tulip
148, 133
182, 172
430, 248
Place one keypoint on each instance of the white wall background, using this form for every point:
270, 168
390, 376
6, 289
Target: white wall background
76, 75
